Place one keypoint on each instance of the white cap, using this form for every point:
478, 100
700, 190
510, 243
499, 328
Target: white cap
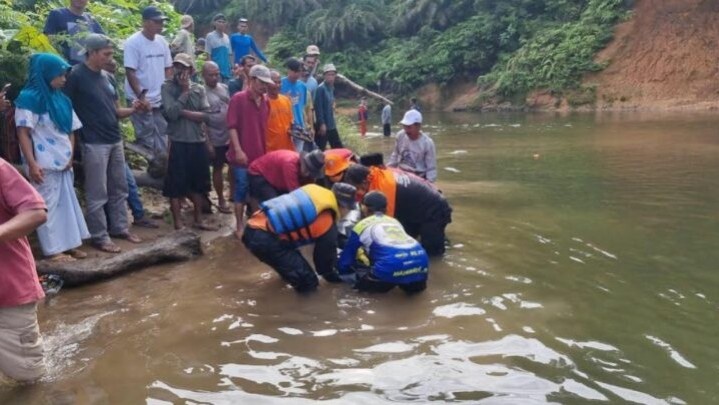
261, 72
329, 68
411, 117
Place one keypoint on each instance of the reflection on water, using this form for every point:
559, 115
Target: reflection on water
582, 268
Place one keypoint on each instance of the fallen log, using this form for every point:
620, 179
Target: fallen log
176, 247
363, 90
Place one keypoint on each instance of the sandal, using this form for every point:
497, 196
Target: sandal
145, 223
76, 253
130, 237
60, 258
107, 247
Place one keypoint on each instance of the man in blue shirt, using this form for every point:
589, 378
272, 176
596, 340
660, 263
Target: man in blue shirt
395, 258
242, 43
296, 90
74, 22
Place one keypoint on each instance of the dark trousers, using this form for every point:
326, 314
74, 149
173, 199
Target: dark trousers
261, 189
431, 231
331, 136
288, 262
387, 128
367, 283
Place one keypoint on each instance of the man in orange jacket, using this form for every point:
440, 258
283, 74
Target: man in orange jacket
421, 209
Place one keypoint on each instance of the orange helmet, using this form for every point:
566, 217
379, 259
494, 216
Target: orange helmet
337, 161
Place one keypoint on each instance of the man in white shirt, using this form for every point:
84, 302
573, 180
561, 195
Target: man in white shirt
414, 150
148, 63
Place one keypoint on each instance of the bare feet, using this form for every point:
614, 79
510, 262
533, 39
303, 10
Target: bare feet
76, 253
60, 258
239, 233
130, 237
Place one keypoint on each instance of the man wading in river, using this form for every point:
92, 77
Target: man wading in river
273, 234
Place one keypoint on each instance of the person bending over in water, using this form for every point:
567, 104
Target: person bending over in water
395, 258
302, 217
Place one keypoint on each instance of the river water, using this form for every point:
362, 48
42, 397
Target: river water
583, 268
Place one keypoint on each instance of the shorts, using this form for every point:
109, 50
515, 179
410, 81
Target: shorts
260, 189
242, 184
188, 170
220, 159
21, 351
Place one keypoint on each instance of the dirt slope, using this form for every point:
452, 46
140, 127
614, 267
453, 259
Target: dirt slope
665, 57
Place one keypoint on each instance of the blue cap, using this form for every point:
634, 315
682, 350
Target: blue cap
153, 13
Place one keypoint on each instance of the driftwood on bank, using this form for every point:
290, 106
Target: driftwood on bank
363, 90
176, 247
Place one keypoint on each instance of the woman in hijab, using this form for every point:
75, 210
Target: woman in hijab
45, 124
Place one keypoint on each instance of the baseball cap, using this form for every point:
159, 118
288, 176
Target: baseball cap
218, 17
411, 117
294, 64
153, 13
345, 195
314, 162
184, 60
242, 20
93, 42
186, 21
329, 68
312, 50
375, 201
261, 72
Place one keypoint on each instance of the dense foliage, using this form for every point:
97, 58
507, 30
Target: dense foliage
511, 46
22, 22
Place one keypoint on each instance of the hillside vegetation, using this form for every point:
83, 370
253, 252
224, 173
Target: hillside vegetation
510, 47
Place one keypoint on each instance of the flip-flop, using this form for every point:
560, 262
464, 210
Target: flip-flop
76, 253
107, 247
61, 258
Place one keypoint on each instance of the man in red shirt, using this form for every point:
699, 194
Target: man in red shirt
21, 211
282, 171
247, 117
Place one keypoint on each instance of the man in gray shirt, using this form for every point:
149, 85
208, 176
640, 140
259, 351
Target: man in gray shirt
218, 96
414, 151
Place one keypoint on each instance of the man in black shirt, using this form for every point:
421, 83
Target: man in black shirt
96, 103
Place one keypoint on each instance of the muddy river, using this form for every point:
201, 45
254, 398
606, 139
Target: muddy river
584, 267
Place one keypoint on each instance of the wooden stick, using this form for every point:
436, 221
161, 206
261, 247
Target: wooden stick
363, 90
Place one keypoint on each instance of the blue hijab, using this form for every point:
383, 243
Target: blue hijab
39, 97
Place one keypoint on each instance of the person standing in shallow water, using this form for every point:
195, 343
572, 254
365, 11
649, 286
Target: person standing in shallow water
21, 211
362, 117
46, 123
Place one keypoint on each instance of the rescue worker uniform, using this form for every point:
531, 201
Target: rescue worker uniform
416, 203
283, 224
395, 258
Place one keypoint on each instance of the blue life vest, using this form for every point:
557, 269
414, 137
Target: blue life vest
297, 210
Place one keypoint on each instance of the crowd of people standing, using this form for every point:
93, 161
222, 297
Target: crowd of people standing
270, 132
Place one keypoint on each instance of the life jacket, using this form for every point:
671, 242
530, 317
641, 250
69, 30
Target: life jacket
291, 215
